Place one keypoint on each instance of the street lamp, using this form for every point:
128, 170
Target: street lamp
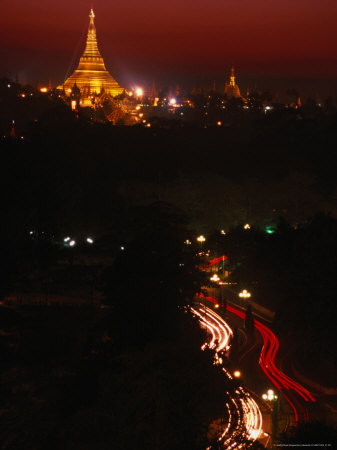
201, 239
237, 374
215, 278
245, 294
270, 395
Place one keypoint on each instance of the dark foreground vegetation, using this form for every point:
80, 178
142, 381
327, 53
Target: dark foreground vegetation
129, 374
292, 271
122, 365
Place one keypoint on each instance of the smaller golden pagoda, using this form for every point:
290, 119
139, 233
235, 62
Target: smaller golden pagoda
91, 76
232, 89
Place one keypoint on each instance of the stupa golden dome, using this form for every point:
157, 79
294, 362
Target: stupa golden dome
91, 76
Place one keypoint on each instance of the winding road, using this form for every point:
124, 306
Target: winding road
296, 395
244, 415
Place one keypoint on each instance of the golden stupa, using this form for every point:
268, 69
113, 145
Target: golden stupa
91, 76
232, 89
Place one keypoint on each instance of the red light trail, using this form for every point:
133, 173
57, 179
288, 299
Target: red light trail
267, 363
213, 261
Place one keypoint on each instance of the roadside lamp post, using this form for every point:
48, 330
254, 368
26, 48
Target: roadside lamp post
201, 239
271, 397
245, 294
215, 278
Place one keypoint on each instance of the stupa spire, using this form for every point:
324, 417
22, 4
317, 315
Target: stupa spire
91, 48
91, 70
232, 77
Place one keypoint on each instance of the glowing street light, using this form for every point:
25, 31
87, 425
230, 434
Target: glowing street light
245, 294
173, 101
246, 226
270, 396
90, 240
237, 374
215, 277
201, 239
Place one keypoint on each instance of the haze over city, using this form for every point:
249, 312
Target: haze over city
276, 45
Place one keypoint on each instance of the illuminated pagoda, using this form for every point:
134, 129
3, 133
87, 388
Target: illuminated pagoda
91, 76
232, 89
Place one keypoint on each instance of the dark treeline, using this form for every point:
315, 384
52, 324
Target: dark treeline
292, 272
68, 172
130, 375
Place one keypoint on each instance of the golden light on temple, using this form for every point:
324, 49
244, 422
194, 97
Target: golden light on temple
91, 76
232, 89
139, 92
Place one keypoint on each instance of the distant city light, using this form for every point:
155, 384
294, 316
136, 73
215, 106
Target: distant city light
67, 239
219, 123
201, 238
90, 240
122, 248
237, 374
187, 242
270, 229
72, 243
223, 232
246, 226
173, 101
43, 89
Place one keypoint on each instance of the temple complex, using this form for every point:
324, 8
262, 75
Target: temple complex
91, 76
232, 89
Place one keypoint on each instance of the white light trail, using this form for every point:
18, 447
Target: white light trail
244, 415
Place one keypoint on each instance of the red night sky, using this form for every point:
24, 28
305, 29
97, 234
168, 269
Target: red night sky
158, 39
